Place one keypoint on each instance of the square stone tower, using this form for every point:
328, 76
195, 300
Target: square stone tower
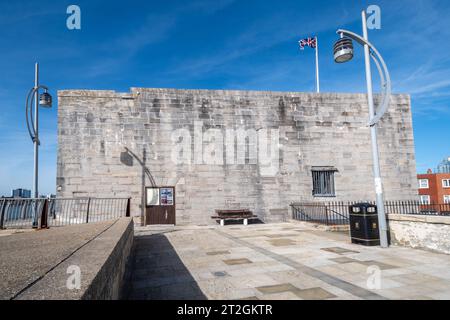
222, 149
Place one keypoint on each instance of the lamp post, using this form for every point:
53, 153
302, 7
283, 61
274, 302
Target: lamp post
343, 52
43, 100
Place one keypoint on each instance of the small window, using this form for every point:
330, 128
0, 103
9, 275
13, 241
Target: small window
425, 199
445, 183
323, 182
447, 199
423, 184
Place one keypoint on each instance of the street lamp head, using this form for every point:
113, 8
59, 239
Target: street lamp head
343, 50
45, 100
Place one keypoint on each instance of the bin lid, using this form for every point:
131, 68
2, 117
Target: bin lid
363, 204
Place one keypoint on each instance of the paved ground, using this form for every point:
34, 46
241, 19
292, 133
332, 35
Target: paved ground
279, 261
8, 232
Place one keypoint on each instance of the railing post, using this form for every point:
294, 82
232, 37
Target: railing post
44, 215
326, 215
128, 212
87, 210
2, 213
35, 223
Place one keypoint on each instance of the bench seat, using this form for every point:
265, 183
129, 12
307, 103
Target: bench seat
242, 214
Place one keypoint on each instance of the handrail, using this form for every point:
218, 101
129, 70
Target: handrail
51, 212
335, 212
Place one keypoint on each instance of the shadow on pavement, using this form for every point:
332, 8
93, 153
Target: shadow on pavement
239, 222
158, 273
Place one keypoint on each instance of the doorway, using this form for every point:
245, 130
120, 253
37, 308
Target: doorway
160, 205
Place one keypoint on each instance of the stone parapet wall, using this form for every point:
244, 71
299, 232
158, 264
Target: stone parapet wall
422, 232
104, 264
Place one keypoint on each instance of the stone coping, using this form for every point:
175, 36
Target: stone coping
135, 91
98, 260
98, 250
420, 218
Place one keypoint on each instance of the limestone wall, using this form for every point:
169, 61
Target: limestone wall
97, 131
422, 232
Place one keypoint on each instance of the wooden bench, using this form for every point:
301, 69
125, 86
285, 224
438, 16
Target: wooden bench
242, 214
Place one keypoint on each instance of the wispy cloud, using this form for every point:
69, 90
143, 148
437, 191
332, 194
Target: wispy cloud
263, 34
121, 50
265, 31
9, 12
420, 44
208, 6
155, 28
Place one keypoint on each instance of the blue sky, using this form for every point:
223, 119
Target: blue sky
221, 44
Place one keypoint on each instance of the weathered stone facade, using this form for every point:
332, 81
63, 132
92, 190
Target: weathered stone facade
421, 231
97, 131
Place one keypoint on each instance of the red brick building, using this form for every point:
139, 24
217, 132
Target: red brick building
434, 188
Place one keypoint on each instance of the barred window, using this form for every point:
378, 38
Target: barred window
323, 181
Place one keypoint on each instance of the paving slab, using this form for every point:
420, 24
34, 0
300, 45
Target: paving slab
314, 294
281, 261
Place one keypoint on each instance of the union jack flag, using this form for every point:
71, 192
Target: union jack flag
308, 42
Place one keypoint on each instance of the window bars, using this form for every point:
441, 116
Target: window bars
323, 183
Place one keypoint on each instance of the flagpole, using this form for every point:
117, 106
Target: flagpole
317, 66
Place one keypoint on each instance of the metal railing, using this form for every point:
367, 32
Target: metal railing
20, 213
417, 207
54, 212
330, 213
337, 213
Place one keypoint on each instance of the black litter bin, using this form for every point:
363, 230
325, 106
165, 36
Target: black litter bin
364, 224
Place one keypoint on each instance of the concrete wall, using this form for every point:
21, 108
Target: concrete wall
96, 127
103, 264
422, 232
111, 280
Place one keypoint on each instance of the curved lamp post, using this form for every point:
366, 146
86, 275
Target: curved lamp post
343, 52
43, 100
